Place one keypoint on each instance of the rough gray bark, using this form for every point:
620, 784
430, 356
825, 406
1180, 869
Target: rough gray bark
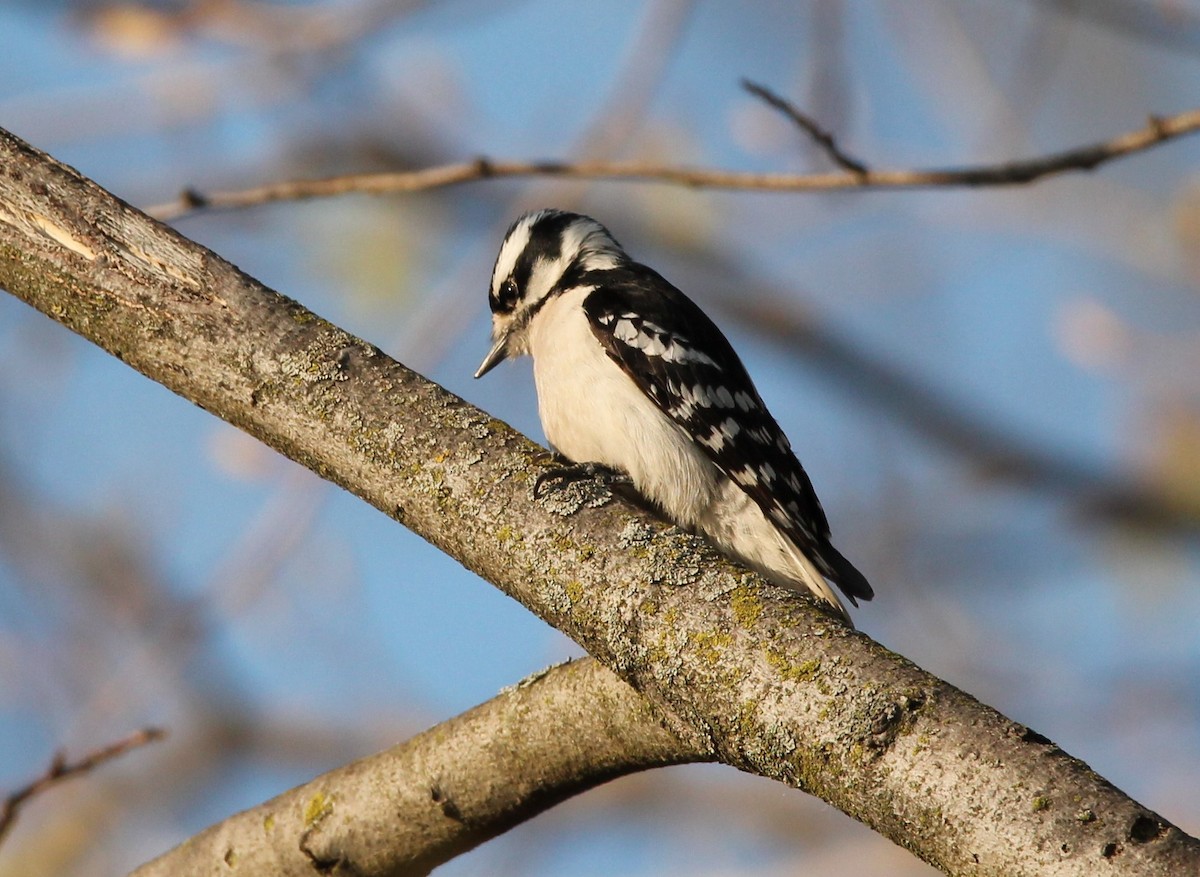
405, 811
757, 675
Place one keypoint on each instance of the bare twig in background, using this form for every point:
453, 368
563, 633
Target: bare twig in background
60, 769
820, 136
1158, 130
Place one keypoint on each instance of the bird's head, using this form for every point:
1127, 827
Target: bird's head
544, 253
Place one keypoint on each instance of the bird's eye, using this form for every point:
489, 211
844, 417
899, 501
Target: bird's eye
506, 297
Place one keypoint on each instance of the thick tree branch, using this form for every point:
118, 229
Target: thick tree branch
759, 675
405, 811
1084, 158
61, 769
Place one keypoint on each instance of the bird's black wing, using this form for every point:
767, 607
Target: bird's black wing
680, 359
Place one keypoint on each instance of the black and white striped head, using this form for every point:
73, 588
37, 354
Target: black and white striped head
544, 253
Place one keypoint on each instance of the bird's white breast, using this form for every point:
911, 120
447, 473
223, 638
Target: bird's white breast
592, 411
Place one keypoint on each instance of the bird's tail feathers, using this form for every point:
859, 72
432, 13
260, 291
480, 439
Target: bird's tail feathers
845, 575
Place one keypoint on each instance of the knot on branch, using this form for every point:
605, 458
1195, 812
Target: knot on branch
442, 799
893, 719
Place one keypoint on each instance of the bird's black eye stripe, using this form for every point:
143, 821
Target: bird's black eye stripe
506, 297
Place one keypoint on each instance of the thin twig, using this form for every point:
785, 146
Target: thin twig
1158, 130
61, 769
820, 136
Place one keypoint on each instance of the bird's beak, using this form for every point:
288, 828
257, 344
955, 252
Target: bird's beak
495, 356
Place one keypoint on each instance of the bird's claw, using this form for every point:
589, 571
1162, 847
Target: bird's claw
562, 476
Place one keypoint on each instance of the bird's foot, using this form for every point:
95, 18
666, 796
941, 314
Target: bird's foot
561, 476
